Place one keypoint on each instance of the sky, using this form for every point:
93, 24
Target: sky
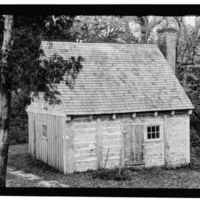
190, 20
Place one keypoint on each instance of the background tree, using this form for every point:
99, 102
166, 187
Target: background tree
188, 69
147, 25
23, 72
187, 64
103, 29
117, 29
5, 97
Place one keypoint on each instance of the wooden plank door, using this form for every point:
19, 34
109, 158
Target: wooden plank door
133, 144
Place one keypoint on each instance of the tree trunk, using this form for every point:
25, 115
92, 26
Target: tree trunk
4, 125
5, 99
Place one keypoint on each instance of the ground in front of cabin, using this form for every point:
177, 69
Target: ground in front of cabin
26, 172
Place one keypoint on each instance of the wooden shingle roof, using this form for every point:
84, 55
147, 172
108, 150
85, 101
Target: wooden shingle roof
119, 78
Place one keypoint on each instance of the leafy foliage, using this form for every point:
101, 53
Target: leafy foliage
189, 77
147, 25
194, 138
52, 72
26, 73
18, 121
103, 29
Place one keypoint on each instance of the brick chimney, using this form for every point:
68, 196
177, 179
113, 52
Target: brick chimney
167, 43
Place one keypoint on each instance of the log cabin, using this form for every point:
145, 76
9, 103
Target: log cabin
127, 109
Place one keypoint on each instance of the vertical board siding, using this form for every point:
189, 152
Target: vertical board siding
49, 151
50, 142
30, 133
44, 142
38, 139
64, 146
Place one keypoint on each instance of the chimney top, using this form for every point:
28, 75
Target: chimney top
167, 38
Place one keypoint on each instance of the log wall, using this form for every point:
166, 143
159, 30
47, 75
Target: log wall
178, 140
98, 143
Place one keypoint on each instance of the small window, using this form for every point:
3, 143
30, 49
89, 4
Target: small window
44, 130
153, 132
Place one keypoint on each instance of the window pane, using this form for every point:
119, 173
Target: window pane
157, 135
44, 130
153, 132
149, 136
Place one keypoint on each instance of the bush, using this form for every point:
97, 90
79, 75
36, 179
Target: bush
18, 121
194, 138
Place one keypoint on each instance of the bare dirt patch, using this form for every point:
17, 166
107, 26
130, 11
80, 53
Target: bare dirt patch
21, 174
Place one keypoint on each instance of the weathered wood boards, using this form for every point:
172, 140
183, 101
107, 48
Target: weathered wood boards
96, 144
114, 143
47, 148
133, 144
85, 144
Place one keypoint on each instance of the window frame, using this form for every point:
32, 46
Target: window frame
153, 139
43, 136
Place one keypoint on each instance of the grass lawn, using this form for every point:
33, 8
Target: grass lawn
185, 177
